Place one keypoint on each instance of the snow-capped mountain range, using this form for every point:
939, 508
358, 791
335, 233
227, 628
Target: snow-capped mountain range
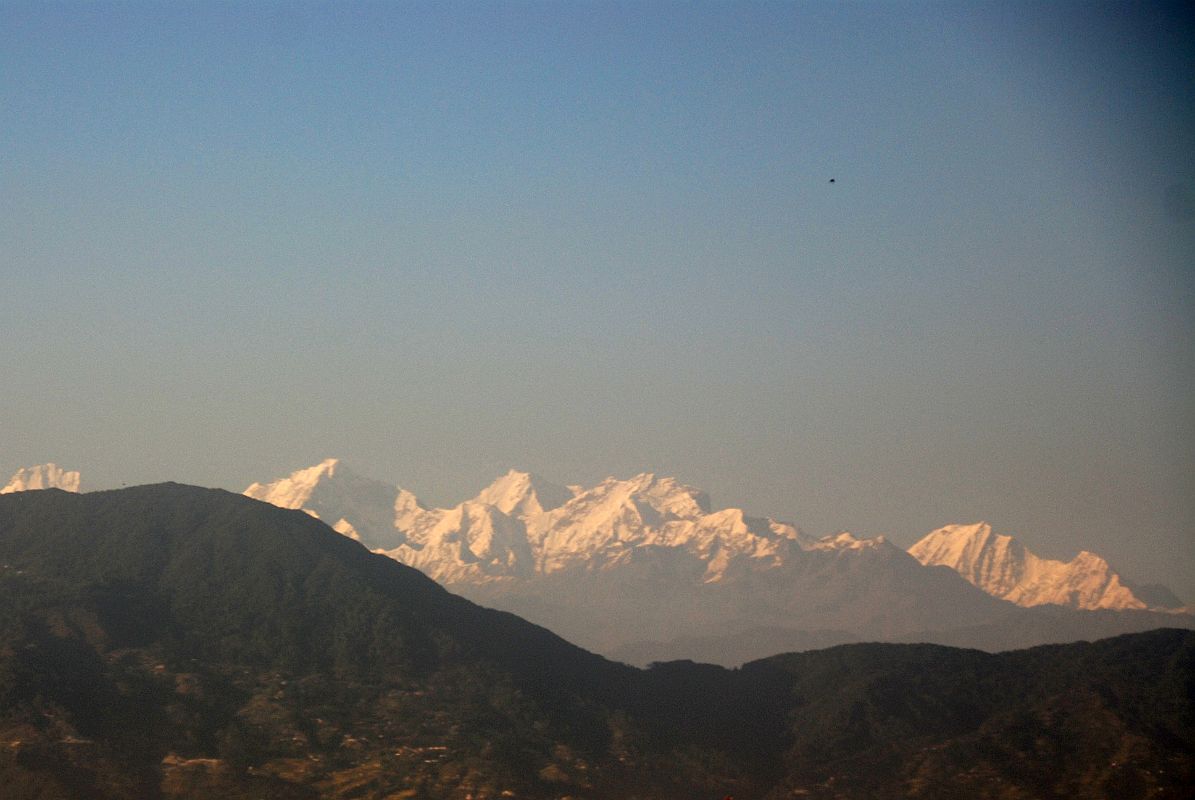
649, 559
521, 525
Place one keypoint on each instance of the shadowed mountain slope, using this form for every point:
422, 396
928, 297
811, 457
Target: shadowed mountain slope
265, 585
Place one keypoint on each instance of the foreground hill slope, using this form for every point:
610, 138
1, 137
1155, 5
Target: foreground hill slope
177, 609
173, 642
263, 585
1056, 721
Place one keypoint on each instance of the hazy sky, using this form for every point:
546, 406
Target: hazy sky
586, 239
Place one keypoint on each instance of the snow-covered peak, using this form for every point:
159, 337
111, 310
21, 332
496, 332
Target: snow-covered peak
294, 491
43, 476
654, 499
670, 497
407, 509
975, 552
1005, 568
332, 492
604, 525
523, 495
472, 542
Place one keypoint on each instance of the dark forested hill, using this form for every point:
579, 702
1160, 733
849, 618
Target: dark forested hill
174, 642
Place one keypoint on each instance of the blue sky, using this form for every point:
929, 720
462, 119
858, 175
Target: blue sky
442, 240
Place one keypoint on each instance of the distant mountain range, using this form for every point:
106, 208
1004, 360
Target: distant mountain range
522, 525
645, 569
181, 643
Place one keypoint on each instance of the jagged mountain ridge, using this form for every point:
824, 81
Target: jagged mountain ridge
358, 507
645, 559
643, 564
1003, 567
522, 524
